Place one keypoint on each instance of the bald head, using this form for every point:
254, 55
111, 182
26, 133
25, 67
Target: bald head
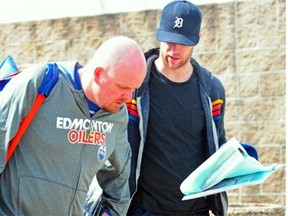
119, 59
118, 51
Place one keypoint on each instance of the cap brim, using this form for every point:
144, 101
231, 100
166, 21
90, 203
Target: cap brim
169, 37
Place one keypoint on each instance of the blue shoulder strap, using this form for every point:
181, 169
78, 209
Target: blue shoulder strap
49, 80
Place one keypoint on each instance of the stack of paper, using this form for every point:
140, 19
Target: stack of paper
228, 168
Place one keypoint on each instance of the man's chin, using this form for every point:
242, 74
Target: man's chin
113, 109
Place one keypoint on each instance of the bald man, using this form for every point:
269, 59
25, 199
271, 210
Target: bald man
81, 124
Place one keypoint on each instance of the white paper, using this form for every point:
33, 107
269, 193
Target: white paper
234, 183
228, 168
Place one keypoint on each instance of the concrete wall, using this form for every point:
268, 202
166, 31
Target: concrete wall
243, 43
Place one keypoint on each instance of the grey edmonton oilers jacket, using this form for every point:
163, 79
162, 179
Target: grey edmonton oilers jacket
55, 161
213, 99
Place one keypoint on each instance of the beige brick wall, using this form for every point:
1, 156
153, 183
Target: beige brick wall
243, 43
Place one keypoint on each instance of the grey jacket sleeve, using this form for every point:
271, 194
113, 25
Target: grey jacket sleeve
113, 177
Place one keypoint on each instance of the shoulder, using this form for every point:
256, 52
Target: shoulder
33, 71
217, 83
30, 76
207, 79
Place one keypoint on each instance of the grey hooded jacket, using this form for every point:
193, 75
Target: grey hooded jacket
63, 148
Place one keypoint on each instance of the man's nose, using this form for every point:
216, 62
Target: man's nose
127, 95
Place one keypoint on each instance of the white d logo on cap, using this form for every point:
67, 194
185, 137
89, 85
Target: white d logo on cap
178, 22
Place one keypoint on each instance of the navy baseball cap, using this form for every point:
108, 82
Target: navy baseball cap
180, 23
251, 151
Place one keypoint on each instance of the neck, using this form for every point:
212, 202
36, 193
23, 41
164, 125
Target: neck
180, 74
86, 82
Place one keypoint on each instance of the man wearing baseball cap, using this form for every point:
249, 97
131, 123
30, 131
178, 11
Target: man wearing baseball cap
176, 120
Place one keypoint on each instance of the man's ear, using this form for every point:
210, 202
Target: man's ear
98, 74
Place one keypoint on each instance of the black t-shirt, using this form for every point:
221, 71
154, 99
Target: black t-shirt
175, 146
